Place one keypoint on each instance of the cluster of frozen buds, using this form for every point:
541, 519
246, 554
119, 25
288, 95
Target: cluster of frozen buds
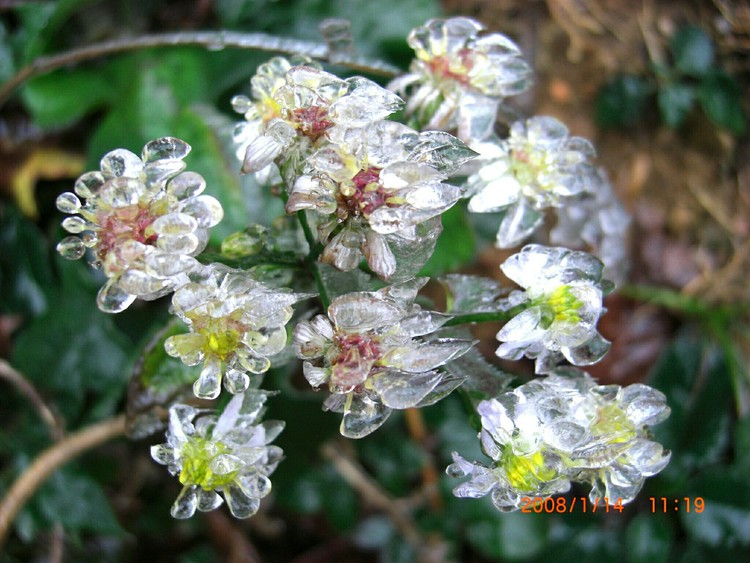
378, 189
375, 352
565, 428
236, 324
561, 305
143, 218
538, 166
228, 454
295, 108
459, 78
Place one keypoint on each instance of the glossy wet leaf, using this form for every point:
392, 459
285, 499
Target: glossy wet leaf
692, 50
621, 103
721, 98
675, 101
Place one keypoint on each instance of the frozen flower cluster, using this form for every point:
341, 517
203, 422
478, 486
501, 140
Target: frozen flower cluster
560, 307
538, 166
372, 190
143, 218
374, 353
459, 77
565, 428
296, 108
228, 455
236, 324
599, 222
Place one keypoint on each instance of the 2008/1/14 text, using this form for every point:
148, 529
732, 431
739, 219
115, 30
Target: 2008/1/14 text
564, 504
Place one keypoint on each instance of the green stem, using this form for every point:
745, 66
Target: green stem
484, 317
312, 259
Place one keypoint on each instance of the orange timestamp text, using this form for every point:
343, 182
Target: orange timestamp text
563, 505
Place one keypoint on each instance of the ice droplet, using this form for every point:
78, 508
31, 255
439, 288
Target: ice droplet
112, 298
165, 147
208, 385
121, 162
244, 243
68, 203
71, 248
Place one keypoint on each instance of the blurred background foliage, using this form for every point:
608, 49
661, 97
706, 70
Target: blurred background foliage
660, 92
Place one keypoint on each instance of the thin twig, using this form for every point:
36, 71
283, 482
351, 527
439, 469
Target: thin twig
48, 461
212, 40
24, 387
359, 480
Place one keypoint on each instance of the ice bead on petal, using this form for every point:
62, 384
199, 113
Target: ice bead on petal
89, 184
141, 283
255, 485
648, 457
379, 255
168, 265
359, 311
518, 223
644, 405
68, 202
122, 192
174, 224
205, 209
76, 224
121, 162
156, 173
401, 390
236, 381
163, 454
208, 385
186, 503
240, 504
71, 248
112, 298
178, 244
362, 416
208, 500
186, 186
165, 148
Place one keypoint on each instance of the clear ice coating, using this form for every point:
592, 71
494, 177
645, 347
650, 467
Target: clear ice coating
235, 324
459, 78
565, 428
366, 354
537, 167
138, 216
559, 307
229, 454
376, 190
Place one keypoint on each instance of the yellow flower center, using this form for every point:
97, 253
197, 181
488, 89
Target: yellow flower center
197, 455
525, 473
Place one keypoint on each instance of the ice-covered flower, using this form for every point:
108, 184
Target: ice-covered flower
562, 303
295, 109
236, 324
228, 454
380, 188
459, 77
600, 222
561, 429
538, 166
374, 353
143, 218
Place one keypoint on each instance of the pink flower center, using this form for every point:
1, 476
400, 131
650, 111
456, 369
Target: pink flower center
446, 67
365, 194
121, 224
357, 354
312, 121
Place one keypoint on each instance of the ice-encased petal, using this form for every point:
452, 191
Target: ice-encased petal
362, 416
186, 503
402, 390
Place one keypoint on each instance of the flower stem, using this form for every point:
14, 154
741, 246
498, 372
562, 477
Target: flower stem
312, 260
212, 40
484, 317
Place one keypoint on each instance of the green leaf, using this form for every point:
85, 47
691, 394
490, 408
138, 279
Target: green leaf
78, 503
509, 537
25, 271
648, 538
158, 381
725, 520
721, 99
693, 51
455, 246
621, 102
63, 97
675, 101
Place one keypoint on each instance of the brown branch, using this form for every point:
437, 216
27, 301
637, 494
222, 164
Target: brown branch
359, 480
26, 389
48, 461
212, 40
